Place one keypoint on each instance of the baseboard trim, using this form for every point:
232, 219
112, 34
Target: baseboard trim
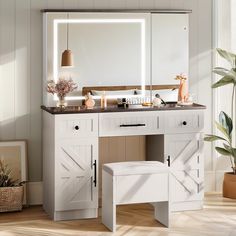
35, 193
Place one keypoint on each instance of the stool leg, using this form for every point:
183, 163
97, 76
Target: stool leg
162, 212
108, 202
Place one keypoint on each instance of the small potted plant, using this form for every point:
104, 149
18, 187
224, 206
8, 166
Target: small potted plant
61, 89
11, 192
225, 124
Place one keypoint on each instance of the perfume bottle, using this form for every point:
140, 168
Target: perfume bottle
103, 100
89, 102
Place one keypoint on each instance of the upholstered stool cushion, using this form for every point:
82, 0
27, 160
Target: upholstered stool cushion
135, 167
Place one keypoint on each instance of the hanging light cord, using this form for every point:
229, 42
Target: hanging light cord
67, 32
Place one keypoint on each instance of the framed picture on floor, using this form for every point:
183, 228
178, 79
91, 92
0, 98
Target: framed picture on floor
14, 154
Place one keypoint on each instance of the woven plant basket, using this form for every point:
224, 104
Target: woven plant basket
11, 198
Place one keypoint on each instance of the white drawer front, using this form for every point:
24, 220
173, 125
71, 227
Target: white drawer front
184, 121
130, 123
76, 126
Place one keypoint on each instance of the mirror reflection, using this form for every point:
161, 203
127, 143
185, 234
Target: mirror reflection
105, 52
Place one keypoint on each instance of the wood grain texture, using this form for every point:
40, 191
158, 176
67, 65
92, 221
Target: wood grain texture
119, 149
217, 218
85, 90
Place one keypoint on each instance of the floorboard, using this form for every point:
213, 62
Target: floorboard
218, 218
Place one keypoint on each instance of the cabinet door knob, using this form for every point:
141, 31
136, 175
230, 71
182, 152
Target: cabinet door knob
184, 122
76, 127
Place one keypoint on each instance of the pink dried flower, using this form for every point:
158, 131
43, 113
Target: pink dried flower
62, 87
181, 76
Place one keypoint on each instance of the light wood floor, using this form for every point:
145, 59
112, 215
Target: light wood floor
218, 218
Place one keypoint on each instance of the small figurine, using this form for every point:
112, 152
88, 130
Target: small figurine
89, 102
156, 101
183, 88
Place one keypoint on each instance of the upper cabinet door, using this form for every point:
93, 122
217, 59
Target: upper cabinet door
170, 47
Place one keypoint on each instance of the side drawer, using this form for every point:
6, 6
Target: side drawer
76, 125
184, 121
130, 123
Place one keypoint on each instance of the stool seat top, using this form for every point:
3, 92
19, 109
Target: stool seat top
135, 168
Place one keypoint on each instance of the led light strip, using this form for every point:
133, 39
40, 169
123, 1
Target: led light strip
99, 21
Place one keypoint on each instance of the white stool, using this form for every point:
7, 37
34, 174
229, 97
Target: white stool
135, 182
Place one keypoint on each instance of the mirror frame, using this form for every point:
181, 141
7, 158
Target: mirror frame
53, 19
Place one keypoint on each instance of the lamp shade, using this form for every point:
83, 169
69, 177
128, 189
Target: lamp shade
67, 58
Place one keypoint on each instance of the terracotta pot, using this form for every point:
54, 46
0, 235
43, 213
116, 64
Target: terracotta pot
229, 185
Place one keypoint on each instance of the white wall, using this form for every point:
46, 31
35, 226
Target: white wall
21, 65
224, 37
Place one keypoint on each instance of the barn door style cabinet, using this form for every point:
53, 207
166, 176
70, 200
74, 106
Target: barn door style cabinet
70, 165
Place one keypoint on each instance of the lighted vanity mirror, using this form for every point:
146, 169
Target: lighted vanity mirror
128, 50
109, 49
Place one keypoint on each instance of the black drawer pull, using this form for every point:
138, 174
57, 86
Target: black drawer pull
133, 125
168, 161
95, 173
184, 122
76, 127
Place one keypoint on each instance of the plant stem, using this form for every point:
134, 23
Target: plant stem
232, 164
232, 104
235, 116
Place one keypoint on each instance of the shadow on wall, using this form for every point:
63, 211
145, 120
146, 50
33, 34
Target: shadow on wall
10, 130
21, 77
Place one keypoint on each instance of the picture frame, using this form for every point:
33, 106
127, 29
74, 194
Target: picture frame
14, 154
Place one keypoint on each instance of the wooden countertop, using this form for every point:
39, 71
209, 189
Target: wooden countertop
131, 108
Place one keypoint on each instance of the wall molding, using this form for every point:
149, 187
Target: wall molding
35, 193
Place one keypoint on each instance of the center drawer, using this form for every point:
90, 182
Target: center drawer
127, 123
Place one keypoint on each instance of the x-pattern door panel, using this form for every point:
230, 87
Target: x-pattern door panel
75, 187
186, 161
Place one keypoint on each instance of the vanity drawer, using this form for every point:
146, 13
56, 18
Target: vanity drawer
76, 125
184, 121
130, 123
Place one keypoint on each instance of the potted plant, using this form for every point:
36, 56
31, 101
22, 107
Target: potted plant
11, 192
225, 124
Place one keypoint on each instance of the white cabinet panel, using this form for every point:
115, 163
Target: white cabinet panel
186, 162
170, 42
127, 123
75, 186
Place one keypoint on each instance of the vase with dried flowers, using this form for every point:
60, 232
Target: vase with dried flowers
183, 88
61, 88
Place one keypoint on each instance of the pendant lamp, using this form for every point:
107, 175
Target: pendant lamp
67, 56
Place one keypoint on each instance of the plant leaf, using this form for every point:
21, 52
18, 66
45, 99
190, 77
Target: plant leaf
222, 130
234, 154
212, 138
230, 57
223, 151
221, 71
228, 79
226, 122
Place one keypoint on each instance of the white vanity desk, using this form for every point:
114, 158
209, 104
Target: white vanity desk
70, 153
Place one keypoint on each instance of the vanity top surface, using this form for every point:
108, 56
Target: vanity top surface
131, 108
